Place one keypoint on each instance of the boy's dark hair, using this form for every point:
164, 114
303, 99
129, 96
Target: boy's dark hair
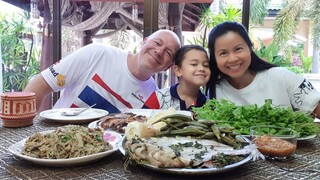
183, 50
257, 64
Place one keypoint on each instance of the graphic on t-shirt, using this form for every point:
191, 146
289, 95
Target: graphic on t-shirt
90, 96
304, 89
161, 100
98, 80
152, 102
61, 80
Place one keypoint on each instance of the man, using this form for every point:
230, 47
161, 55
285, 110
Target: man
112, 78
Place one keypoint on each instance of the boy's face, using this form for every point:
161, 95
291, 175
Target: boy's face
194, 70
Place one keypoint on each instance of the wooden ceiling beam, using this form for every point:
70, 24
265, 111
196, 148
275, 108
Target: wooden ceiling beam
165, 1
190, 14
189, 20
193, 7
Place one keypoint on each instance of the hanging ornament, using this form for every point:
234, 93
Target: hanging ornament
134, 12
35, 13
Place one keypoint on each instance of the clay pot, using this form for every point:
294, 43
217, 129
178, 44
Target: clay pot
18, 109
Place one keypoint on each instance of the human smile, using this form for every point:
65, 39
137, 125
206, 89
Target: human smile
235, 67
154, 58
203, 75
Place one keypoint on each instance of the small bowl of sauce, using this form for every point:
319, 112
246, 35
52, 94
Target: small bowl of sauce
274, 142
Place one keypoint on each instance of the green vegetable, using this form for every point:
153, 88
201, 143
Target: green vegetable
66, 138
226, 113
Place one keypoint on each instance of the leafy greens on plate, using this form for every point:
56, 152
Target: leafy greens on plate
226, 113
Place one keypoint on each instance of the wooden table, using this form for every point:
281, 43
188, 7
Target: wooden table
304, 165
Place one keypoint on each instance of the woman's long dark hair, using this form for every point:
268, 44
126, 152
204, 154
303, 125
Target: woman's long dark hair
257, 64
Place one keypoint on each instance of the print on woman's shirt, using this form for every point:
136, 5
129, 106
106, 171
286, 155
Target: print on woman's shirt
304, 89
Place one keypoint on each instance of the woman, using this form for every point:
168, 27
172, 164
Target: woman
240, 76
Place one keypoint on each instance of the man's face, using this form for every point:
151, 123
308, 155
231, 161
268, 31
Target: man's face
158, 51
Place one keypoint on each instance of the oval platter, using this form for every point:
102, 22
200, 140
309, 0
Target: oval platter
113, 138
190, 171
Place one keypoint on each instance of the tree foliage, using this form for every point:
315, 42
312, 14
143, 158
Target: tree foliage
19, 62
259, 10
287, 21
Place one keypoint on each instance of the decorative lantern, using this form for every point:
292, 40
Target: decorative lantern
35, 13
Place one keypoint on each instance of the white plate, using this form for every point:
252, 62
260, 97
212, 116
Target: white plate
151, 112
112, 137
307, 137
143, 112
202, 171
87, 116
298, 139
190, 171
95, 124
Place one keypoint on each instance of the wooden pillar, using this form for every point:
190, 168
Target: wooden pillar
246, 13
56, 24
174, 21
150, 17
47, 50
87, 39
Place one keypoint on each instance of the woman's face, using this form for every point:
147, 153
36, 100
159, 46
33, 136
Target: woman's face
233, 55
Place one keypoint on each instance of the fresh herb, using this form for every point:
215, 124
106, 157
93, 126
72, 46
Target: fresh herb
66, 138
99, 138
198, 156
226, 113
221, 160
198, 145
177, 148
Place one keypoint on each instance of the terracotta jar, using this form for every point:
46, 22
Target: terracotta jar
18, 109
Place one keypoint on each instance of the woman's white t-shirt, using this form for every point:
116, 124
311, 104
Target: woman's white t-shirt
283, 87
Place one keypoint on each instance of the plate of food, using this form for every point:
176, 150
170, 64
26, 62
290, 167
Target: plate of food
153, 112
119, 121
184, 155
184, 146
306, 137
87, 116
66, 146
227, 113
298, 139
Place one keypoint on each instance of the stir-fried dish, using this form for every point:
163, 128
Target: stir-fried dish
66, 142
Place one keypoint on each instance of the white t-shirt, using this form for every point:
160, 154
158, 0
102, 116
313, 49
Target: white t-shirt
284, 87
98, 74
